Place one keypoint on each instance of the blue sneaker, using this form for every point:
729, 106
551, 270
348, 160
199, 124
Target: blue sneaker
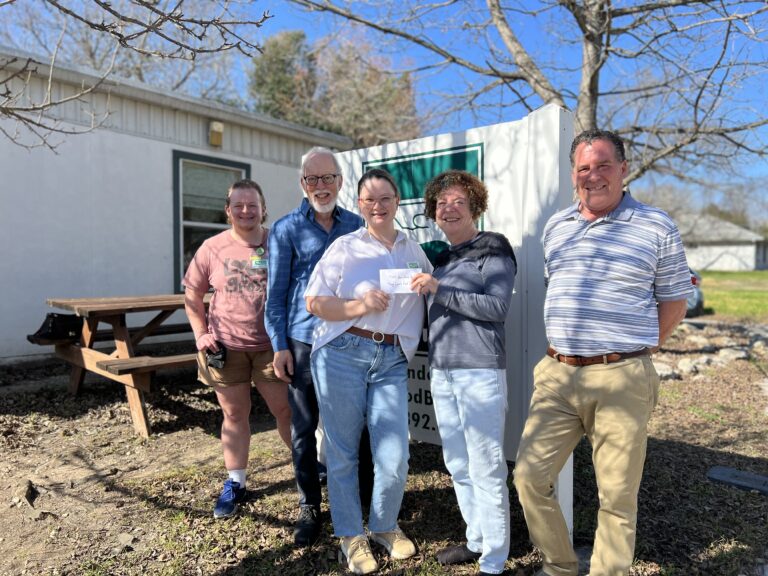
230, 497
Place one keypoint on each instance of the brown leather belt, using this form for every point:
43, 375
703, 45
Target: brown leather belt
590, 360
378, 337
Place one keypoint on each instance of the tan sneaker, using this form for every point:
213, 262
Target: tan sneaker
398, 545
357, 551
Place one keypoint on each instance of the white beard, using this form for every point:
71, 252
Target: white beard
322, 208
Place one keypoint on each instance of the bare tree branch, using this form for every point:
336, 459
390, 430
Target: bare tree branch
32, 119
680, 79
531, 72
177, 39
421, 41
185, 43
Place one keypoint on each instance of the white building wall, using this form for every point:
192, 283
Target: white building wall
152, 114
96, 219
722, 257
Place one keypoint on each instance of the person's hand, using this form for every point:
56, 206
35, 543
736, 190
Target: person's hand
282, 364
375, 301
206, 342
424, 283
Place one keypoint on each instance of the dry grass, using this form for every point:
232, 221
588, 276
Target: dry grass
98, 482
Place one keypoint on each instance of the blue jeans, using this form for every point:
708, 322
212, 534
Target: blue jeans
358, 381
471, 407
304, 414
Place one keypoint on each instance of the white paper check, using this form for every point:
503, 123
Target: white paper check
397, 280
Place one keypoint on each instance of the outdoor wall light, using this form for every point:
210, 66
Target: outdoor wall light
215, 133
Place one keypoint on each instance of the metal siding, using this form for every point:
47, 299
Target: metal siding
168, 123
256, 145
143, 119
158, 121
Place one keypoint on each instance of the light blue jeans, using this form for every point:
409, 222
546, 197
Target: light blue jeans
359, 381
471, 407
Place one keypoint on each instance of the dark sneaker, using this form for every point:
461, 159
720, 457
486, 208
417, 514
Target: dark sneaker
457, 555
307, 528
230, 497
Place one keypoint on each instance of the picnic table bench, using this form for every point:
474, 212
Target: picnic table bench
122, 364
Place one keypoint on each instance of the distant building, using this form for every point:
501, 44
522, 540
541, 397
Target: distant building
715, 244
120, 210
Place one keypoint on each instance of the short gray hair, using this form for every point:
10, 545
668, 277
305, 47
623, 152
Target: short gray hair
316, 151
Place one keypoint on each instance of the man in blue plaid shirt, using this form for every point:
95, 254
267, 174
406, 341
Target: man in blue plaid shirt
296, 243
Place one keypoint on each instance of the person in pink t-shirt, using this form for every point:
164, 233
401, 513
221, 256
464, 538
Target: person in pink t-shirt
234, 350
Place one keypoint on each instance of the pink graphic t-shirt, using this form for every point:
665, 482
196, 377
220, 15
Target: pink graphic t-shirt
237, 271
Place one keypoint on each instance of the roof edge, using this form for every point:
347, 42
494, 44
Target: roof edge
74, 74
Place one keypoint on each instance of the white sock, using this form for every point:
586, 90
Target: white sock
238, 476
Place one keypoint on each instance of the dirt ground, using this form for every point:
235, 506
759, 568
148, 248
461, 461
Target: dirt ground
73, 450
77, 485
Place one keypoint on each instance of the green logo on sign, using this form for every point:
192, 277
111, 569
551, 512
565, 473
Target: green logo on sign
412, 172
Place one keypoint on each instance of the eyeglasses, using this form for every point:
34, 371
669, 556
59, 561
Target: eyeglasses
383, 201
325, 179
457, 203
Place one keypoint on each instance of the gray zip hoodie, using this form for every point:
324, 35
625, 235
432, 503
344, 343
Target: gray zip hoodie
467, 314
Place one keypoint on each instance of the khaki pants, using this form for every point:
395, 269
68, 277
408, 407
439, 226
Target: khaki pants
611, 404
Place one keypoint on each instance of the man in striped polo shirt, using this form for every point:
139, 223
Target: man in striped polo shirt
617, 283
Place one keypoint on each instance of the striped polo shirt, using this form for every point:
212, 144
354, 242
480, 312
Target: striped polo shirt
605, 277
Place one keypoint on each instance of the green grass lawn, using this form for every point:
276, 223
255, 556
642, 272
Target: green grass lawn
736, 296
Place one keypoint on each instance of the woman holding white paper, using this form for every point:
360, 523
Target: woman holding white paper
360, 357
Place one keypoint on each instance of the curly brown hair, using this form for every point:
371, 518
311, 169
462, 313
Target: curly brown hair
473, 187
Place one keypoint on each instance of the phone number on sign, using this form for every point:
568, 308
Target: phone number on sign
421, 421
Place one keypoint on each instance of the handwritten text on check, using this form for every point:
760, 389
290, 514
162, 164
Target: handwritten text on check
397, 280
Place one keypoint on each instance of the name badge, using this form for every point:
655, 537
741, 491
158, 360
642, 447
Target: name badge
258, 260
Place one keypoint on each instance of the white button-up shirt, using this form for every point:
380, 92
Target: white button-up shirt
350, 268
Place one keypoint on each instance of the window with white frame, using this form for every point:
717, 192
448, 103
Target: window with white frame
200, 189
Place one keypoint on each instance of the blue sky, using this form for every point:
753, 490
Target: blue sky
538, 38
288, 16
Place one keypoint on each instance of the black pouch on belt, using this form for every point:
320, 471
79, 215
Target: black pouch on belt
216, 359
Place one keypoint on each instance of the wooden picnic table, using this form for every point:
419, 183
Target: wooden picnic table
121, 365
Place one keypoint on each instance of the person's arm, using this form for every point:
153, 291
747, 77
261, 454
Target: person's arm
320, 296
195, 308
671, 314
493, 303
279, 273
336, 309
672, 285
279, 270
282, 364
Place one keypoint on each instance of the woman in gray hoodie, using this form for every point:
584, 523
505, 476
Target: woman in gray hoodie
468, 297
